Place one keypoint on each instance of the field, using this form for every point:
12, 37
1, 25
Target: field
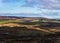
29, 30
43, 26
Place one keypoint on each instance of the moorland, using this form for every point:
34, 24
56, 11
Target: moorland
30, 28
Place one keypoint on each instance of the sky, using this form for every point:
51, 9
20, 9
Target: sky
30, 8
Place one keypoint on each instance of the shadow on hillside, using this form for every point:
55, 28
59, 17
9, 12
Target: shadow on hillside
25, 35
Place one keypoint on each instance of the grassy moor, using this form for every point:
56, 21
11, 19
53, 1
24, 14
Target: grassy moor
29, 30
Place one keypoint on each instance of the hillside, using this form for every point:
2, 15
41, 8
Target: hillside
36, 23
25, 29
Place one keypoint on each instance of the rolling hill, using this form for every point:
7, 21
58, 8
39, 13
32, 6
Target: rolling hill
36, 23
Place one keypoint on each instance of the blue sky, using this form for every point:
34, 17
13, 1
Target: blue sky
30, 8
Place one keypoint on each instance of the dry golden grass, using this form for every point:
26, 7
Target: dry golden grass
20, 25
9, 25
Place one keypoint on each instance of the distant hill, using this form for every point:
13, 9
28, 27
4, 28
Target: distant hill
9, 17
14, 17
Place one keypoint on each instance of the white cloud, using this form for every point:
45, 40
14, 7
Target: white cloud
49, 4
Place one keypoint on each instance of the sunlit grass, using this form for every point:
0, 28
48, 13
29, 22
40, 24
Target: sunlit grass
8, 21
